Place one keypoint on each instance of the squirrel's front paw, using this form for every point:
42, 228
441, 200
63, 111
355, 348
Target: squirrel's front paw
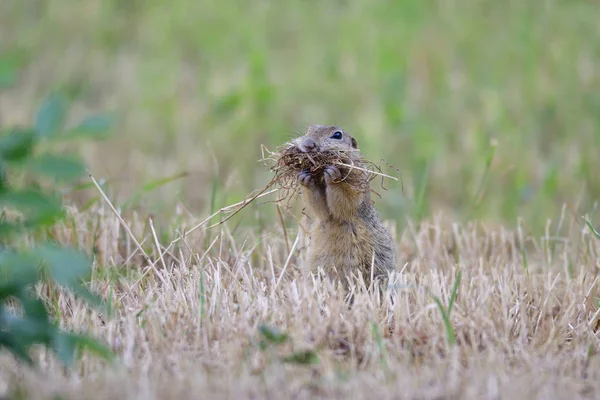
332, 175
306, 179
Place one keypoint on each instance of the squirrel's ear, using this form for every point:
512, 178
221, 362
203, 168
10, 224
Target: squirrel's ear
354, 143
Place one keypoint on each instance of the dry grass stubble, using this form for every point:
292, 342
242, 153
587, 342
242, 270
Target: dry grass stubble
188, 328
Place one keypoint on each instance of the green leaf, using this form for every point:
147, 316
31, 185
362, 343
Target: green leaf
17, 144
3, 178
91, 345
66, 266
19, 349
95, 127
69, 267
64, 346
16, 272
9, 69
7, 229
51, 115
64, 168
33, 307
306, 357
28, 330
272, 334
40, 208
91, 298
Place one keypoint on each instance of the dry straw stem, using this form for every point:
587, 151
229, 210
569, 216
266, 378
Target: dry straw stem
520, 333
151, 263
240, 205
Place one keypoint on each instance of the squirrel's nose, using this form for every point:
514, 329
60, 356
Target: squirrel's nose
308, 145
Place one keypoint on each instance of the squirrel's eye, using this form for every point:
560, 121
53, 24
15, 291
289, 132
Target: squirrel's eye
336, 135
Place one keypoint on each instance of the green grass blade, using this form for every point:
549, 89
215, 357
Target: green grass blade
594, 231
151, 186
478, 197
454, 292
380, 347
447, 325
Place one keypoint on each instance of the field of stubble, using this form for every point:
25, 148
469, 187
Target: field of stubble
242, 319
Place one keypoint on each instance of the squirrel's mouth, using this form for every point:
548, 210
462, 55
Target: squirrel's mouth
307, 146
305, 149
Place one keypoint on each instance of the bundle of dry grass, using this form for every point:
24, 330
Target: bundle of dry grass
288, 161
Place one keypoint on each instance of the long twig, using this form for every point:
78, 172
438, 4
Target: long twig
123, 224
126, 227
367, 170
221, 210
243, 204
157, 243
287, 261
285, 235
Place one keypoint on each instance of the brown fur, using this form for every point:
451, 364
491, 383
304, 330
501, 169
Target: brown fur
346, 232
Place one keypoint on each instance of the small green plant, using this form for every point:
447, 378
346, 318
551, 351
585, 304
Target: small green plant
446, 311
272, 337
380, 348
29, 178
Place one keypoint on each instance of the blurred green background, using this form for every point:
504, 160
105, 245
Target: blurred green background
427, 86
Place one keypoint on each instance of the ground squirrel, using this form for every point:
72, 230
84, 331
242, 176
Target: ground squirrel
346, 232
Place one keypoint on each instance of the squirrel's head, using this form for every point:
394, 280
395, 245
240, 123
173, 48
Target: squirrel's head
322, 138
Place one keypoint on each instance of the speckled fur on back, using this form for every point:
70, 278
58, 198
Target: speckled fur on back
346, 232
